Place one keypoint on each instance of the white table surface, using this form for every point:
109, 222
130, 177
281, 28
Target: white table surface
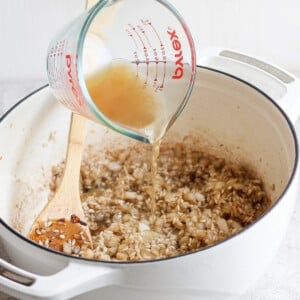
282, 279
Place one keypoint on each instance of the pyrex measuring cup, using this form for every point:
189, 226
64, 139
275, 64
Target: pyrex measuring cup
136, 52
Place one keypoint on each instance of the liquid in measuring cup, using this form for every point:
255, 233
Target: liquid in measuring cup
124, 98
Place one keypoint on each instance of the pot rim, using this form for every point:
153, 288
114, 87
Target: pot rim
280, 198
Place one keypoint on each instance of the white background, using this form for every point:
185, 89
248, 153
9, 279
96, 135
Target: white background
268, 29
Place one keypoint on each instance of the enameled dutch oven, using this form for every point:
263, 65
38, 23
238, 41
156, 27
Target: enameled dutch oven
241, 108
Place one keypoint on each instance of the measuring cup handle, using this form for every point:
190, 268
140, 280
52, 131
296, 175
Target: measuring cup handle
279, 85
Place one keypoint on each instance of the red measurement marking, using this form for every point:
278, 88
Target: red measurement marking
155, 80
145, 50
156, 73
147, 74
137, 34
164, 60
132, 37
156, 60
147, 22
164, 76
137, 61
143, 31
147, 60
156, 33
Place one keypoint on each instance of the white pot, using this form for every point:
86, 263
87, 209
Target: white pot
242, 108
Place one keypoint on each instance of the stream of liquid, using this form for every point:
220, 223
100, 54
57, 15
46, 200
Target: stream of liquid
125, 99
154, 159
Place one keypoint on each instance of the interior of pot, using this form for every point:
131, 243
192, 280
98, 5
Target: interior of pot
236, 121
230, 118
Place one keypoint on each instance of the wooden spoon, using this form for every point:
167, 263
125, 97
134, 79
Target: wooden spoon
61, 224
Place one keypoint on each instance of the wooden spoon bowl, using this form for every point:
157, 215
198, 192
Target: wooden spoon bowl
61, 224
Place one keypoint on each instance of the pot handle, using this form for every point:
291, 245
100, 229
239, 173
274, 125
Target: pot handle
279, 85
74, 279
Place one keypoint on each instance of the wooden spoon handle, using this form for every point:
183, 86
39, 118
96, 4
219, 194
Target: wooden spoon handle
77, 134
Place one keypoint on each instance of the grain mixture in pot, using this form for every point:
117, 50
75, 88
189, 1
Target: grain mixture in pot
200, 200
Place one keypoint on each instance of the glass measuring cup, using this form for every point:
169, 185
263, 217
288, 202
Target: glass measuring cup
139, 54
